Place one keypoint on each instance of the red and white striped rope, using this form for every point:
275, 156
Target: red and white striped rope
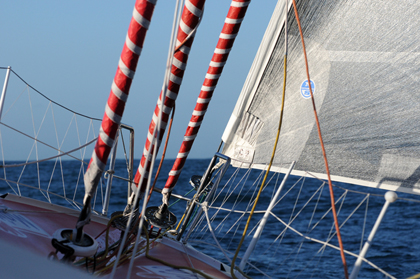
140, 21
190, 19
227, 37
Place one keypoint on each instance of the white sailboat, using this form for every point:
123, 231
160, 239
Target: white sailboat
305, 177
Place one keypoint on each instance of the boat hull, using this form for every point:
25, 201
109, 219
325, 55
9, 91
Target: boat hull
29, 225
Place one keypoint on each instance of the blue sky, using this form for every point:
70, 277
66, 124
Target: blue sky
73, 47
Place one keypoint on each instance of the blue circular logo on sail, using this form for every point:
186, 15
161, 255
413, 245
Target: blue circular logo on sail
304, 89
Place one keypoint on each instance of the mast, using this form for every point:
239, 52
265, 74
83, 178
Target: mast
227, 37
191, 17
142, 15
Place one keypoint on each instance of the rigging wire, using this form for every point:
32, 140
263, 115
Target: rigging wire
163, 154
49, 158
156, 176
289, 225
66, 108
124, 148
272, 156
331, 246
156, 134
343, 257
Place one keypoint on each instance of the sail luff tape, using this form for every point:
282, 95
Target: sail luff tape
182, 155
213, 76
132, 46
207, 88
222, 50
179, 64
203, 100
240, 4
104, 137
171, 95
142, 15
227, 36
190, 137
140, 19
235, 16
233, 20
166, 110
193, 9
113, 116
199, 112
155, 117
185, 28
118, 92
184, 49
194, 124
98, 162
177, 172
126, 71
175, 79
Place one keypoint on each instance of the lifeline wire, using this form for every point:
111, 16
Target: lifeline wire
272, 156
83, 115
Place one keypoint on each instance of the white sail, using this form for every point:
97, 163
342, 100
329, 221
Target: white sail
364, 67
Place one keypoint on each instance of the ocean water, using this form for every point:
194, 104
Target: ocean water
282, 252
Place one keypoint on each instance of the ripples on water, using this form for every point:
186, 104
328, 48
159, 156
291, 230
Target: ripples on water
395, 247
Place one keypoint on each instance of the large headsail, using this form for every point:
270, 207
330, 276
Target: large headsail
364, 64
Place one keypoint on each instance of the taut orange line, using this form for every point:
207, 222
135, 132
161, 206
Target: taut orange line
163, 154
337, 227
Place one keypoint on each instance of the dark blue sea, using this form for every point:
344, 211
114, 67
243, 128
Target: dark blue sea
283, 251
